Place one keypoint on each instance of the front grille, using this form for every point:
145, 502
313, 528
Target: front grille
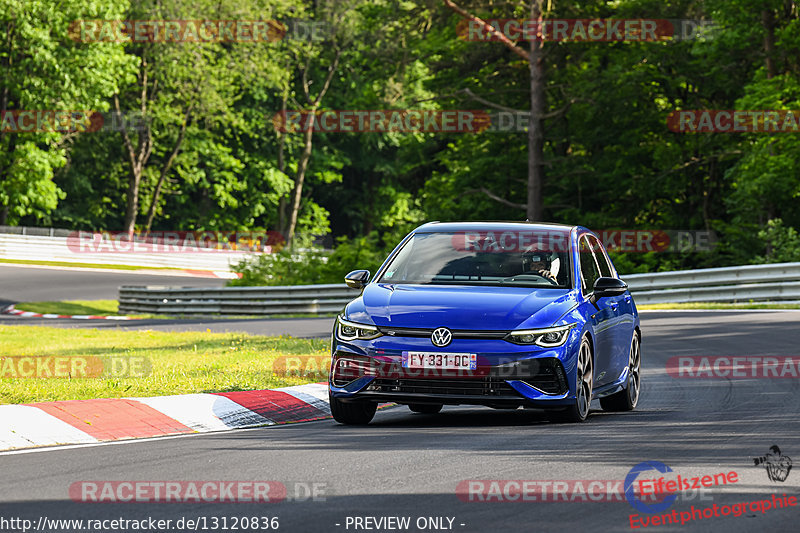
455, 387
457, 333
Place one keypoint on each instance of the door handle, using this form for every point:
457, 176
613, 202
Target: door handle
627, 298
613, 306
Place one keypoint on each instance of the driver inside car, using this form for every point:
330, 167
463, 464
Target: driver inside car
539, 263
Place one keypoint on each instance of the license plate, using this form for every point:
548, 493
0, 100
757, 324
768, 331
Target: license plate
446, 361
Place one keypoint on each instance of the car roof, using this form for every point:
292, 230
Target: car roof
444, 227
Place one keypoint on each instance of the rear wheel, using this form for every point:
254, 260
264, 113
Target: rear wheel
352, 413
627, 398
425, 408
578, 411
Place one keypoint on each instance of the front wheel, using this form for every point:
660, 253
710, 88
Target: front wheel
352, 413
627, 398
578, 411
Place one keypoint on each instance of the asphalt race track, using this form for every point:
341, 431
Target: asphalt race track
33, 283
409, 465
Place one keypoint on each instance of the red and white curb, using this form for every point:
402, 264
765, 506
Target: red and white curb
91, 421
10, 310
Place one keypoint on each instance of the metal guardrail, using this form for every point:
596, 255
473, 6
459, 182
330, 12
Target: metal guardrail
235, 300
758, 283
30, 230
773, 282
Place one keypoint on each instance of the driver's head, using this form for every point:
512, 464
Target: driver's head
538, 261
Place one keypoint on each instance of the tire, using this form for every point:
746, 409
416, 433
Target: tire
627, 398
425, 408
584, 375
352, 413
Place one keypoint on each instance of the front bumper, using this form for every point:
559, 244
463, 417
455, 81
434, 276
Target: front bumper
507, 376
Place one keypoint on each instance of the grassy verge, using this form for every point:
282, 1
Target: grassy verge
82, 265
747, 305
110, 307
79, 307
71, 307
180, 362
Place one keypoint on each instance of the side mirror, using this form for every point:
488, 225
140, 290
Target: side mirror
357, 279
605, 287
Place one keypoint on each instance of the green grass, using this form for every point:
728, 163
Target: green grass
181, 362
83, 265
79, 307
745, 305
110, 307
71, 307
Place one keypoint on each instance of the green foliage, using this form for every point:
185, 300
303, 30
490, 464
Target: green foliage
610, 161
782, 243
312, 266
44, 69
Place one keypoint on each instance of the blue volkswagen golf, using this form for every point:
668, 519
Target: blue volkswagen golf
504, 315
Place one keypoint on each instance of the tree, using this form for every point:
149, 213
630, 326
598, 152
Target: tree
183, 89
45, 69
535, 59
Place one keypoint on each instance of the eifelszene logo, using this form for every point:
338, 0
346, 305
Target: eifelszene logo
630, 488
778, 466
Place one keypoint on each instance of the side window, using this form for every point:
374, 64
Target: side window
602, 259
589, 270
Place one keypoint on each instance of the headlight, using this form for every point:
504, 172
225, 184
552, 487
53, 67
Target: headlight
349, 331
546, 338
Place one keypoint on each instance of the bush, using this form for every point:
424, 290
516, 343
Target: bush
782, 243
314, 266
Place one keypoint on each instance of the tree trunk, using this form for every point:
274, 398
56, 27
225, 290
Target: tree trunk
282, 228
308, 135
302, 164
132, 204
535, 128
768, 21
166, 168
137, 157
535, 58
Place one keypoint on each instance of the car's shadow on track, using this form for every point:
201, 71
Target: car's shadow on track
662, 433
478, 417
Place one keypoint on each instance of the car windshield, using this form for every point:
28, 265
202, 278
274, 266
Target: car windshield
483, 258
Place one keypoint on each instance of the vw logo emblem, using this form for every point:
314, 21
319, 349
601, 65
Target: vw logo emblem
441, 337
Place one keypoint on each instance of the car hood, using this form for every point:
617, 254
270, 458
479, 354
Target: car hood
459, 306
